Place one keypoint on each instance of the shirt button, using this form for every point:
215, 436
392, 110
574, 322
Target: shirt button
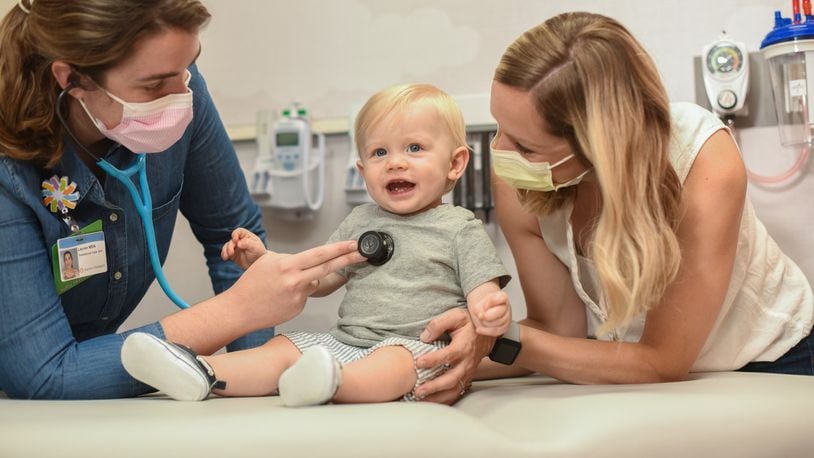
117, 276
114, 217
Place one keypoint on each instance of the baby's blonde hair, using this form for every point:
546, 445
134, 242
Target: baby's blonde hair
395, 98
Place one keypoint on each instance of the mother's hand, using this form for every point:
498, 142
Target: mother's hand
274, 289
462, 355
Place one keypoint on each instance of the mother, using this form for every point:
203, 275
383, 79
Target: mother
640, 257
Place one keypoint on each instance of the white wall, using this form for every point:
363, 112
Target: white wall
330, 55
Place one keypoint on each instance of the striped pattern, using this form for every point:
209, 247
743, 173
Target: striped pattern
347, 354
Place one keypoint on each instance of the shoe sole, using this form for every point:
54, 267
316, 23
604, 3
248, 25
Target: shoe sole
311, 367
152, 361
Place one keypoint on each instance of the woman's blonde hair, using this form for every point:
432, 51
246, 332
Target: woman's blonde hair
92, 36
594, 85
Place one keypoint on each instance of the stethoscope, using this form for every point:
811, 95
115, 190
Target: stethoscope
141, 199
376, 246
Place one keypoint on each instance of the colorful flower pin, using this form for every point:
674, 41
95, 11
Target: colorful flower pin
58, 194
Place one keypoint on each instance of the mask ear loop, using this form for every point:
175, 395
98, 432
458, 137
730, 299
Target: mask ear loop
26, 10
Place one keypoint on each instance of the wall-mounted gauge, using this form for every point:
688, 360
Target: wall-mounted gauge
725, 58
726, 75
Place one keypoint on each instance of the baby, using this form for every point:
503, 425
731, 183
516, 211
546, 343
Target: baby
412, 149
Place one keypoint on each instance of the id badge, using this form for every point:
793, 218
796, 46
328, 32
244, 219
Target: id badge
78, 257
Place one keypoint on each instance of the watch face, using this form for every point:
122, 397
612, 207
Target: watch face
505, 351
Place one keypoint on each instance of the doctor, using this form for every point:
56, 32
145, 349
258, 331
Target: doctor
130, 85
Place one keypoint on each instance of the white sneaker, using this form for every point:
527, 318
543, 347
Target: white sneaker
171, 368
312, 380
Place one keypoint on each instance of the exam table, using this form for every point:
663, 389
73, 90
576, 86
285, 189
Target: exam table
710, 415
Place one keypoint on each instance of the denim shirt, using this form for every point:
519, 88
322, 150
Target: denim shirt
66, 347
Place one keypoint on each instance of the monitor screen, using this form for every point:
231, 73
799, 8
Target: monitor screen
288, 139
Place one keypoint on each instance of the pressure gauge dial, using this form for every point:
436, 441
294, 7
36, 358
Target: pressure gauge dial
725, 70
724, 59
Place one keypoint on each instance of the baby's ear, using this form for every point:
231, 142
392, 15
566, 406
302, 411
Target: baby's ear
458, 162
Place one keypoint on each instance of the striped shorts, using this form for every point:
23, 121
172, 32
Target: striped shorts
347, 354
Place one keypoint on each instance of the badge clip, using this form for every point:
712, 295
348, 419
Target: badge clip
60, 195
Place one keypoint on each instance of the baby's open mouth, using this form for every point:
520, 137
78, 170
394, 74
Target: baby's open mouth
399, 186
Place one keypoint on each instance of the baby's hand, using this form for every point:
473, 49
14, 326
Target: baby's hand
244, 248
492, 314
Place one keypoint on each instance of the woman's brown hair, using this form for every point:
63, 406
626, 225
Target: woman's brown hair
90, 35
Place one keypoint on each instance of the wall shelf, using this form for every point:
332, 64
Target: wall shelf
475, 108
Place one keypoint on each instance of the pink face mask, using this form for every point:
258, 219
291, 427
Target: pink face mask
149, 127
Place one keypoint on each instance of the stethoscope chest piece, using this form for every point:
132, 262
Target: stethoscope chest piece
376, 246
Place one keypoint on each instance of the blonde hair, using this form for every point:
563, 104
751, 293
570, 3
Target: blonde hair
90, 35
396, 98
594, 85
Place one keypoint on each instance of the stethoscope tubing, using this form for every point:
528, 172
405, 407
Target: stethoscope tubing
144, 207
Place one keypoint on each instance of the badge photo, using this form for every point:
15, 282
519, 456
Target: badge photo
81, 256
69, 269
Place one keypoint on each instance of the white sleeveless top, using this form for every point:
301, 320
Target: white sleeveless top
768, 306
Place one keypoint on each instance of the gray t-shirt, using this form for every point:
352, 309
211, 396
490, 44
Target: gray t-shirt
440, 256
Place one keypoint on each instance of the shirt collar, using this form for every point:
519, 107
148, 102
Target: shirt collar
71, 165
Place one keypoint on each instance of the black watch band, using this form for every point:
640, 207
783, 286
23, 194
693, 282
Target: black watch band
507, 347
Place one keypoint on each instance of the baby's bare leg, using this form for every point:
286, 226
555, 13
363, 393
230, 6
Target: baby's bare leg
254, 372
386, 374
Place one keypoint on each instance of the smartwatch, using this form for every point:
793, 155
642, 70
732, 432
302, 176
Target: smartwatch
507, 347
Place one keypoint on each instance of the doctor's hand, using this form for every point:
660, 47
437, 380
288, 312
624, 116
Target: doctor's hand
274, 288
243, 249
462, 355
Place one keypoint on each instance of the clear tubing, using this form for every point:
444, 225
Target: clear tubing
801, 161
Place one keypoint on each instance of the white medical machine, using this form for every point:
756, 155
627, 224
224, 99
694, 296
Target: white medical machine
725, 68
260, 180
355, 189
289, 172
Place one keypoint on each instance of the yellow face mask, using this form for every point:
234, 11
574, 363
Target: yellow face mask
520, 173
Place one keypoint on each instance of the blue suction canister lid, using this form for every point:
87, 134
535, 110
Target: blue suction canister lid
784, 30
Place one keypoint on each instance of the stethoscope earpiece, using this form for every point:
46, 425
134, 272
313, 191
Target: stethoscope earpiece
376, 246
